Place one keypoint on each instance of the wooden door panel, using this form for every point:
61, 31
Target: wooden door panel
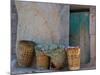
79, 34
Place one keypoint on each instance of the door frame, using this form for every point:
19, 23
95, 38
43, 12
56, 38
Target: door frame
92, 32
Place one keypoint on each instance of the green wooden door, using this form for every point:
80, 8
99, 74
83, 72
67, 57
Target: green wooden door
79, 34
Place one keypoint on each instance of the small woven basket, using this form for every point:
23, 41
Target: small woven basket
42, 61
73, 55
25, 53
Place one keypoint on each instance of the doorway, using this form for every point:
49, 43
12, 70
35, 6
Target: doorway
79, 33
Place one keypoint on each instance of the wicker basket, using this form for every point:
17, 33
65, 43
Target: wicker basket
25, 53
73, 55
42, 61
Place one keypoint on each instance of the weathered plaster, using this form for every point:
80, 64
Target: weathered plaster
43, 22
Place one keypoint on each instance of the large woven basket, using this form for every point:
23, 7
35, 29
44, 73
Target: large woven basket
73, 55
25, 53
